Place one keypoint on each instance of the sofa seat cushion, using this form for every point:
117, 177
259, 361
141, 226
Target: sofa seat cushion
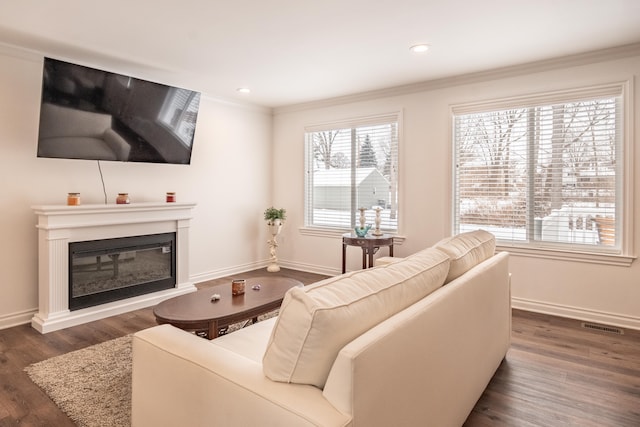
467, 250
384, 260
249, 342
317, 321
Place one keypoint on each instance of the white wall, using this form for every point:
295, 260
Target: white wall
234, 176
229, 179
594, 292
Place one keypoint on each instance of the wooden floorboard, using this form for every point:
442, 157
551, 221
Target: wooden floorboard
556, 373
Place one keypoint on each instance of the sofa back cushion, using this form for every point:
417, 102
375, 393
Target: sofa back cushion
317, 321
467, 250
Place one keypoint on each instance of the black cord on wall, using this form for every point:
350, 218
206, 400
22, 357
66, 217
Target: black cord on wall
104, 190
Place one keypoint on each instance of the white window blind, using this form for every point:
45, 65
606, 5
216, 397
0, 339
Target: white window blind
542, 174
352, 165
179, 113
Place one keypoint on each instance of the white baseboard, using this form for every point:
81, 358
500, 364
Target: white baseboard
311, 268
21, 318
518, 303
229, 271
15, 319
577, 313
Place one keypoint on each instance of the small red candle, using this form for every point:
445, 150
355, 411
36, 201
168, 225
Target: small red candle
123, 199
171, 197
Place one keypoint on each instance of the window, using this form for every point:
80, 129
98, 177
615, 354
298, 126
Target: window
544, 172
352, 165
179, 113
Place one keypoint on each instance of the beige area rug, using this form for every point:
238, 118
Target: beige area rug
93, 385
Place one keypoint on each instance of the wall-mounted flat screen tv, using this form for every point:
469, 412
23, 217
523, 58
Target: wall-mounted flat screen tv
91, 114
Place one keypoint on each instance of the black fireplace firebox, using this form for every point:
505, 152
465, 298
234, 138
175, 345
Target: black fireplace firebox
107, 270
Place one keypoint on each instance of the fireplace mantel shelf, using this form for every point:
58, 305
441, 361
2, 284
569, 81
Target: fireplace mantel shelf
63, 216
60, 225
82, 209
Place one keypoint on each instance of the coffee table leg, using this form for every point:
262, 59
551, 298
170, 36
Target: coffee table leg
213, 330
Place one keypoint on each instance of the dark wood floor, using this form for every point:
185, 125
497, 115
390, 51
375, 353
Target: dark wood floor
555, 374
558, 373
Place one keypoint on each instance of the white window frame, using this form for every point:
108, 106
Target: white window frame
624, 255
181, 126
328, 231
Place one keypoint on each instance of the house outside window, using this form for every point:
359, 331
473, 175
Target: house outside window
352, 165
545, 172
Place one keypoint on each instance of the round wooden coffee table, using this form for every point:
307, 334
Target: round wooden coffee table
196, 312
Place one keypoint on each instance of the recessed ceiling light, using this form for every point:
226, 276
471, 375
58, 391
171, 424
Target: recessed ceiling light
419, 48
243, 90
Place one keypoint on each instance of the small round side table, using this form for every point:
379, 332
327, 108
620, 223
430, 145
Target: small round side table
369, 244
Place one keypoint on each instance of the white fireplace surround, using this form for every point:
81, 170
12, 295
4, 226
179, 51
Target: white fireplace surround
60, 225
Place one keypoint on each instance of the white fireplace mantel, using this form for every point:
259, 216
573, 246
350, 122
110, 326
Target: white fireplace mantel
60, 225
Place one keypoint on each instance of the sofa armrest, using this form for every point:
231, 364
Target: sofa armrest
181, 379
431, 361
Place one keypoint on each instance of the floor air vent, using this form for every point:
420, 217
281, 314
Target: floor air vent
603, 328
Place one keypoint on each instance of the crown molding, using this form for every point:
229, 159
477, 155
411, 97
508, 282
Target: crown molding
37, 56
240, 105
584, 58
20, 53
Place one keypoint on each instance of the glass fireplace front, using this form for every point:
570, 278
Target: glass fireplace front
102, 271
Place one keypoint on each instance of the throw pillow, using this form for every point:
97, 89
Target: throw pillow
317, 321
467, 250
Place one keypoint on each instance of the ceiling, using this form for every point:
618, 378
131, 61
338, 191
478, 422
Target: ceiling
296, 51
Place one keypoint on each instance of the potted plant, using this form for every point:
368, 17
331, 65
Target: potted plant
272, 215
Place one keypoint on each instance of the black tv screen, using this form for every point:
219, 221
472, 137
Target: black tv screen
91, 114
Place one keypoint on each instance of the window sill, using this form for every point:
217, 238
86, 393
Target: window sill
591, 258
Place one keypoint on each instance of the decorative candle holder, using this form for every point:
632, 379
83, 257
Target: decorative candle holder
237, 287
376, 231
123, 199
363, 218
73, 199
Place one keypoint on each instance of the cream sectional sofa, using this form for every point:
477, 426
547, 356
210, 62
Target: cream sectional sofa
413, 342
